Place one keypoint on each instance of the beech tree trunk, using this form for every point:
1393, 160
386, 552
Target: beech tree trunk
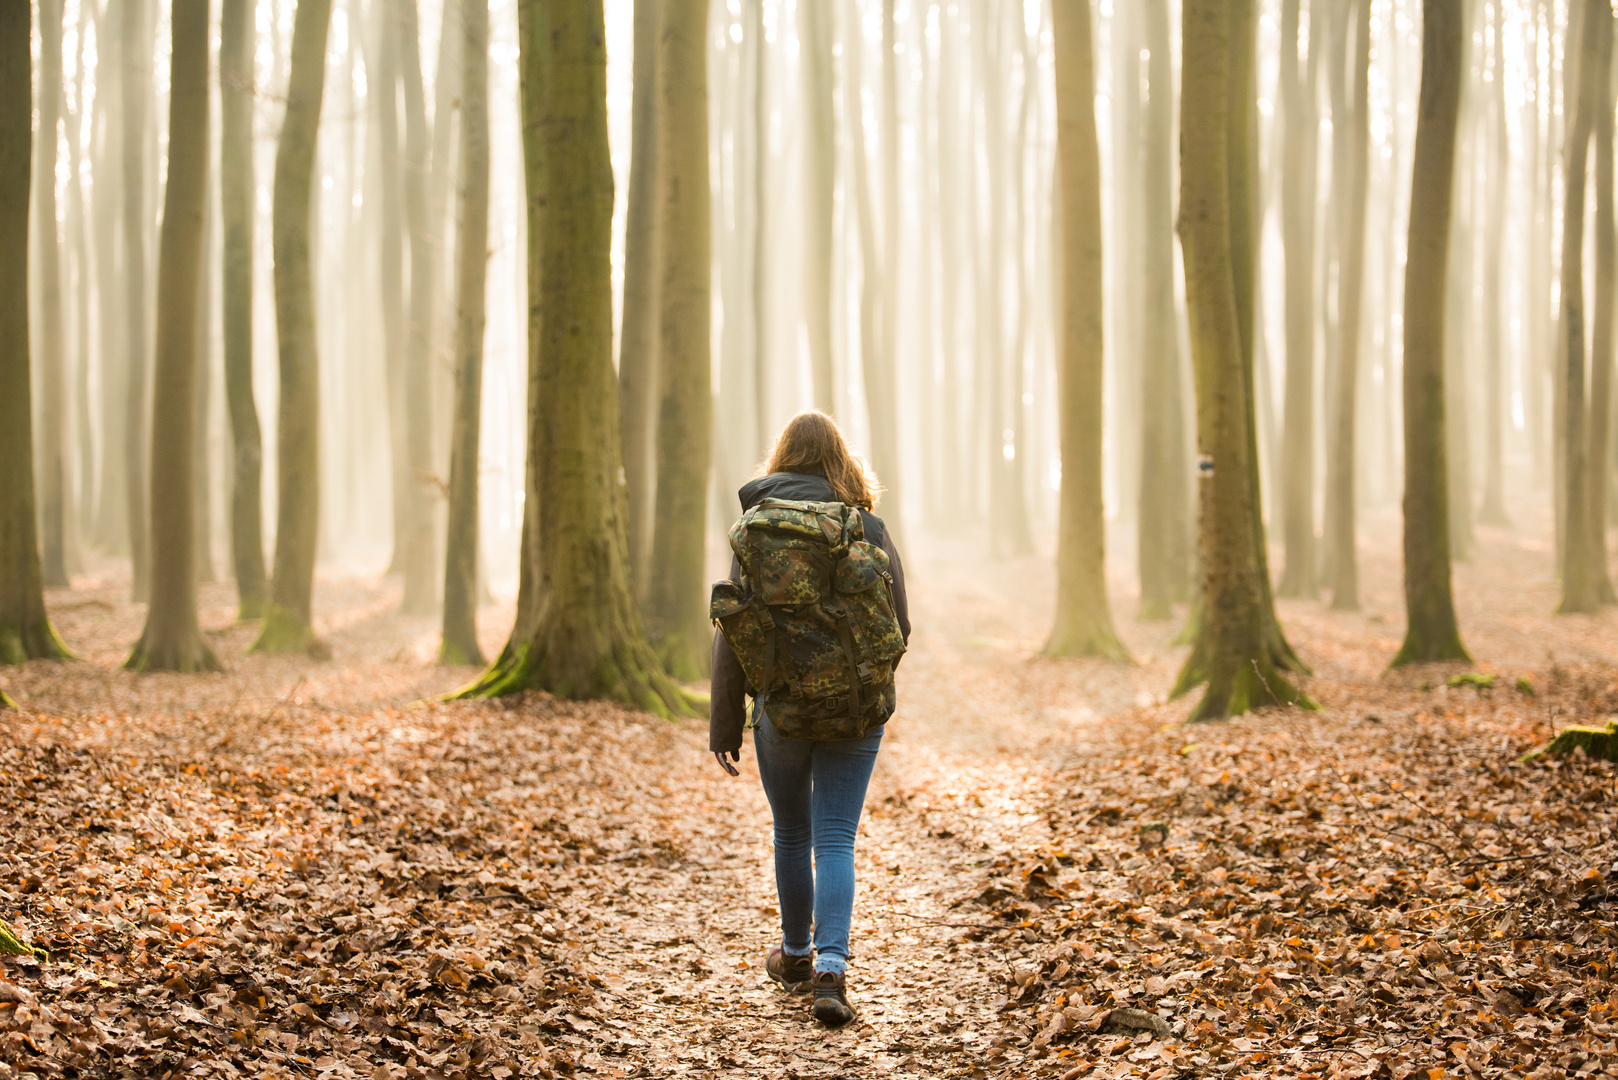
677, 606
25, 629
172, 640
579, 635
460, 636
1495, 299
1599, 469
287, 622
820, 172
236, 194
1083, 617
137, 106
1432, 632
1231, 655
1343, 569
53, 461
1164, 541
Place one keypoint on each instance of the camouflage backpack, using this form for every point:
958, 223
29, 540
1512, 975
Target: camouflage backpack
812, 618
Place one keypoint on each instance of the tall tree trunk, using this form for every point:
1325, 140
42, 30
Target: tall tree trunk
1343, 570
420, 556
81, 505
637, 342
820, 173
287, 622
383, 69
1298, 198
1495, 300
112, 506
137, 103
882, 378
1083, 618
1580, 590
581, 637
1598, 460
1164, 540
763, 378
202, 395
1432, 633
460, 638
677, 609
1230, 655
236, 195
25, 629
172, 640
53, 463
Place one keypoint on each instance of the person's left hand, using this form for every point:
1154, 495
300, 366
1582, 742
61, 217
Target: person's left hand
735, 755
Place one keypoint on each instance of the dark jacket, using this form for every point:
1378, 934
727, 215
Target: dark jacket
727, 709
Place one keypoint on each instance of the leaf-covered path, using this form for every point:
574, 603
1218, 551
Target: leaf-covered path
289, 871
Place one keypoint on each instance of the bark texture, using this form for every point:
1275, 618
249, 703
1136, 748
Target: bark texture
579, 632
136, 88
25, 630
1231, 655
820, 172
460, 637
1432, 632
53, 462
172, 640
677, 602
287, 623
1083, 617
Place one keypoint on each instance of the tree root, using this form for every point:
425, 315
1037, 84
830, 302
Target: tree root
1252, 683
1076, 641
18, 645
284, 633
1418, 650
685, 659
452, 652
622, 676
187, 659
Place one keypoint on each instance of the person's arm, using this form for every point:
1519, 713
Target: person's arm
901, 605
727, 700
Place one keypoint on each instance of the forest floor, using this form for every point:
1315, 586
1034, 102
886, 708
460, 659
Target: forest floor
299, 869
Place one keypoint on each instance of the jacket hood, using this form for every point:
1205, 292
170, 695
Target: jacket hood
799, 487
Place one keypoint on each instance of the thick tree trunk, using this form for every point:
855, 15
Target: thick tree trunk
677, 607
1231, 655
287, 623
236, 193
383, 68
112, 507
460, 638
1164, 542
637, 341
1580, 589
1432, 633
1601, 346
25, 630
201, 395
1083, 618
53, 462
172, 640
1298, 197
581, 635
820, 172
1343, 571
137, 103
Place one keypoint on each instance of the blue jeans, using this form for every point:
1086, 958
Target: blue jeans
816, 792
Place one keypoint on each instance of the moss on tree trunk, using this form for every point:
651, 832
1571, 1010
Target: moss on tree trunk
578, 632
1083, 617
25, 631
172, 640
460, 631
1432, 633
287, 621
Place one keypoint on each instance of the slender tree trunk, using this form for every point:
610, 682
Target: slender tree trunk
1341, 515
1165, 499
1083, 618
25, 629
637, 343
112, 514
172, 640
1298, 198
763, 380
202, 393
53, 463
1432, 633
820, 172
287, 622
1495, 299
1601, 350
137, 103
677, 609
383, 69
1580, 589
236, 194
460, 638
583, 638
1230, 655
81, 504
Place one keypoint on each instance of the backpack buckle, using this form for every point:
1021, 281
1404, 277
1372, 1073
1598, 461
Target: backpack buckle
864, 670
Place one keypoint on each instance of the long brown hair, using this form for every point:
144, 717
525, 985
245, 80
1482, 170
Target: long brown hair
812, 443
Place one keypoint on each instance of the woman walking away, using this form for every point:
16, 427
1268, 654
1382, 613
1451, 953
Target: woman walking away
813, 621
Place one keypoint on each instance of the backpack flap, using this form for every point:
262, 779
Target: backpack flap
865, 588
745, 627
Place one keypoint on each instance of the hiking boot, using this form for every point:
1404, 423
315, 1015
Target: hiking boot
831, 1004
794, 973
